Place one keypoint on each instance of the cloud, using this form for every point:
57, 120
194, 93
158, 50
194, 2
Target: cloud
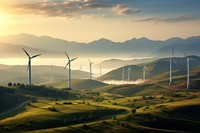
70, 8
175, 19
122, 9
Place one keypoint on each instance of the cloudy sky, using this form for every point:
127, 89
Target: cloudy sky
88, 20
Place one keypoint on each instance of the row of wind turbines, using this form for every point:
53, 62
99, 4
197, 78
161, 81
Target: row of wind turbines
129, 73
123, 71
170, 69
68, 64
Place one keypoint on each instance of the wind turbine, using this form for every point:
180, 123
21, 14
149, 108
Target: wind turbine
80, 69
123, 73
52, 73
170, 66
90, 74
29, 65
69, 70
144, 72
129, 73
188, 69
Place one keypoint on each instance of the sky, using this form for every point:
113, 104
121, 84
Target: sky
88, 20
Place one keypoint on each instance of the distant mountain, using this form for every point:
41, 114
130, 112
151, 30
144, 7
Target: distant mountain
141, 47
155, 68
115, 63
8, 50
190, 45
40, 74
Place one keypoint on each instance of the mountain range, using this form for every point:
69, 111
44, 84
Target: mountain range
54, 47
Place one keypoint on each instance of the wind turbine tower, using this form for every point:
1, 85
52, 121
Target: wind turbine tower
80, 69
123, 73
170, 66
51, 73
144, 72
29, 65
90, 74
188, 69
69, 70
100, 71
129, 73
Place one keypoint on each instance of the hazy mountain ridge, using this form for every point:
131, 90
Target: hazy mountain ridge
102, 47
40, 74
190, 45
115, 63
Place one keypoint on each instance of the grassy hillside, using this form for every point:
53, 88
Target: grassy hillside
9, 98
78, 84
12, 97
155, 68
163, 112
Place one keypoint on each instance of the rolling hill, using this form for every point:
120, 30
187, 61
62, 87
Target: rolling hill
14, 96
154, 68
79, 84
40, 74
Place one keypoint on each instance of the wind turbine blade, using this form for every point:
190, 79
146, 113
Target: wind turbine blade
174, 61
185, 54
67, 55
36, 55
74, 59
172, 51
26, 52
66, 65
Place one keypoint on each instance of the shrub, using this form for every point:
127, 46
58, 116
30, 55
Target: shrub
52, 109
133, 111
67, 102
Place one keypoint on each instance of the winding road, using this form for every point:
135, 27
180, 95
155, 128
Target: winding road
13, 109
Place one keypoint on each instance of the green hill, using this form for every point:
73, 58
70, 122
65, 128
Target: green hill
79, 84
12, 97
155, 68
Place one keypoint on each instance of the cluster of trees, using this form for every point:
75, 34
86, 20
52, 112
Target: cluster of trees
14, 84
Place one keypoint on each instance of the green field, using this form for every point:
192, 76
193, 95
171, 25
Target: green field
92, 106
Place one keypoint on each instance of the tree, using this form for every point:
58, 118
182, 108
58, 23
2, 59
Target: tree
9, 84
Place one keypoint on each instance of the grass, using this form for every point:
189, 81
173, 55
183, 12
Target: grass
159, 108
79, 84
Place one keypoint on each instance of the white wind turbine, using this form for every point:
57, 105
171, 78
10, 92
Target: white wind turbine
51, 73
188, 69
69, 70
129, 73
123, 73
144, 72
100, 71
90, 74
80, 69
29, 65
170, 66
